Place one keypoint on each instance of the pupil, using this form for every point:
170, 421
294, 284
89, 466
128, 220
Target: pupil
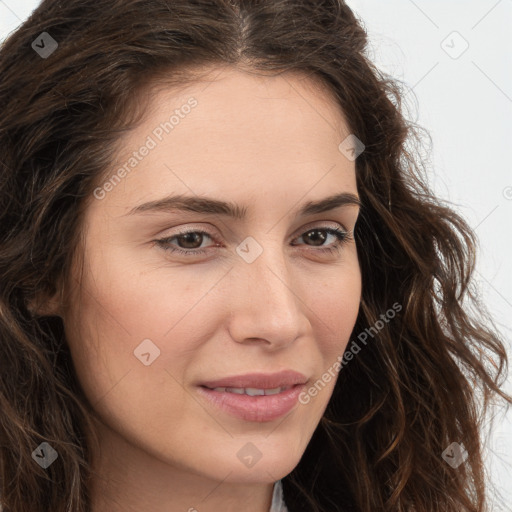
316, 231
189, 236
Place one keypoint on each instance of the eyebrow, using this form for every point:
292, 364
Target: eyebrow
210, 206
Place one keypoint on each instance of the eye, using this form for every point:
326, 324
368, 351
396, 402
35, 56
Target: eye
192, 240
315, 234
189, 238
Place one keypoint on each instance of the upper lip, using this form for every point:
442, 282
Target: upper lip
286, 378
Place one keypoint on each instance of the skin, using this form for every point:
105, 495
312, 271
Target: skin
270, 144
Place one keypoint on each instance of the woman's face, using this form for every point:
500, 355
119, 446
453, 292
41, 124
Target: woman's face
255, 294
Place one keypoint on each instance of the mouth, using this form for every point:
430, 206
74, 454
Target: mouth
251, 391
257, 384
253, 407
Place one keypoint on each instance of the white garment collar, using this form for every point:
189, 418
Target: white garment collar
278, 504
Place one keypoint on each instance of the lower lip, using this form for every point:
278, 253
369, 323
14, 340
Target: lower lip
254, 408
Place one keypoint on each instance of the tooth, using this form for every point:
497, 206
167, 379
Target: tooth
254, 391
239, 391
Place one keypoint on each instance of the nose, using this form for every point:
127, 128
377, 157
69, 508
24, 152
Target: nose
266, 304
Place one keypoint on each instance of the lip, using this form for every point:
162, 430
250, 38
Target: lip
253, 408
259, 380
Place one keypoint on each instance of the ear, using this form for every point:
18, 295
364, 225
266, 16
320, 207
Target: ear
46, 305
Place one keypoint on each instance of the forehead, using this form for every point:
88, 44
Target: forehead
229, 99
230, 132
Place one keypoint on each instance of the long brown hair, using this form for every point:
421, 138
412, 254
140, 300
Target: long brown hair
420, 383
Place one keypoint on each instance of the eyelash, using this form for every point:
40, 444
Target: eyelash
343, 238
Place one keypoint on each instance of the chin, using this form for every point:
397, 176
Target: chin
267, 469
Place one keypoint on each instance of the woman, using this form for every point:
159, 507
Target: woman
225, 285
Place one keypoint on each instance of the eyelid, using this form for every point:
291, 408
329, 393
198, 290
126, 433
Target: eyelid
300, 231
342, 236
320, 223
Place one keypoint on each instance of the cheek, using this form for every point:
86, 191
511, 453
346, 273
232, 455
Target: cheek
122, 304
113, 319
336, 306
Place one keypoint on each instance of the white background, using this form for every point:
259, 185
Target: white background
464, 100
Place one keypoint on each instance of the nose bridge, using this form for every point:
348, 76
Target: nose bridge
265, 304
270, 276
